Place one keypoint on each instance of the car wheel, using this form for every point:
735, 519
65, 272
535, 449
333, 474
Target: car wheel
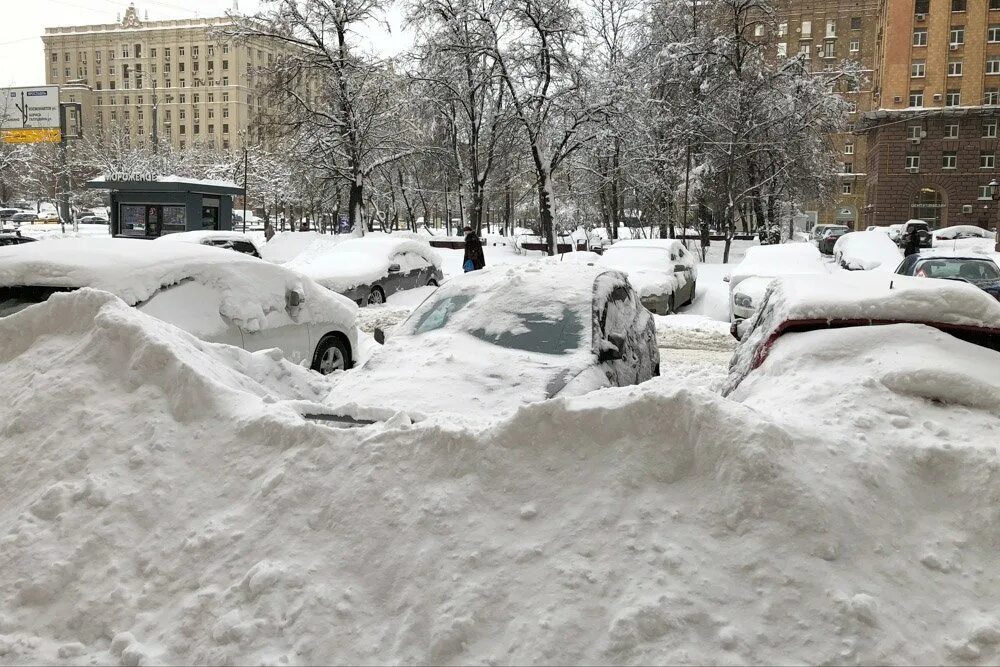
670, 305
376, 297
432, 283
331, 355
694, 290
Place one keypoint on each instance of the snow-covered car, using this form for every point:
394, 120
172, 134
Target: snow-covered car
861, 251
830, 236
490, 341
214, 294
48, 216
662, 271
894, 231
978, 269
14, 239
795, 304
368, 270
922, 229
8, 213
816, 233
763, 264
958, 232
219, 239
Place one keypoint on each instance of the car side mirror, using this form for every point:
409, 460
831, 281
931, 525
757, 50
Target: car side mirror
617, 342
379, 336
394, 268
295, 298
725, 279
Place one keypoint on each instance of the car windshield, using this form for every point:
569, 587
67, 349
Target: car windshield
953, 267
13, 299
501, 317
637, 258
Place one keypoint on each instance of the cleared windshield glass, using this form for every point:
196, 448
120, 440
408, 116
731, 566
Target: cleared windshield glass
13, 299
967, 269
638, 258
503, 317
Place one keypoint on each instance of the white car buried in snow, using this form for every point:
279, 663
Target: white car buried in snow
864, 251
662, 271
368, 270
749, 279
490, 341
219, 239
215, 294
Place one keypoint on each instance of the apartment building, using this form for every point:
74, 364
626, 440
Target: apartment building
932, 132
830, 33
204, 90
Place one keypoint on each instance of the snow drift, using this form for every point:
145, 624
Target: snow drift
163, 504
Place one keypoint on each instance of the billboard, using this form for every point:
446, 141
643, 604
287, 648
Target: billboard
29, 115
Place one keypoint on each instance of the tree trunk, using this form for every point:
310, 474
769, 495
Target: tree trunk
356, 207
545, 220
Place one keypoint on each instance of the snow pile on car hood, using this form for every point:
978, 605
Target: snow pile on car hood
159, 508
250, 289
358, 261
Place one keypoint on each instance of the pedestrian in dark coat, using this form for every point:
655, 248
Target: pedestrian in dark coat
474, 258
912, 245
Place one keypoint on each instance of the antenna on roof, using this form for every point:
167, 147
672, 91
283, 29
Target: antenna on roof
890, 284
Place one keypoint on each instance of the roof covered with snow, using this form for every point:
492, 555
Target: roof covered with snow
779, 260
864, 251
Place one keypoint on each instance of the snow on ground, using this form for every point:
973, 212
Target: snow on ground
163, 504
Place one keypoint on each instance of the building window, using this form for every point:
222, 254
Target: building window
955, 68
958, 5
225, 112
805, 52
55, 57
917, 69
225, 81
98, 85
225, 64
195, 99
758, 30
951, 131
194, 66
848, 168
985, 193
183, 83
180, 67
197, 128
921, 6
211, 113
987, 160
153, 68
225, 96
993, 65
211, 128
952, 98
828, 49
949, 160
994, 4
782, 29
831, 28
957, 36
183, 113
225, 128
225, 144
991, 96
920, 37
855, 23
194, 51
211, 50
855, 46
990, 129
167, 82
848, 149
225, 48
913, 162
166, 115
807, 29
183, 99
166, 68
180, 50
916, 98
847, 188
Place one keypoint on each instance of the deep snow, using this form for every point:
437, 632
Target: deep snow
163, 503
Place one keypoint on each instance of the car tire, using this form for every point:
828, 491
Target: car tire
694, 290
671, 306
332, 354
376, 297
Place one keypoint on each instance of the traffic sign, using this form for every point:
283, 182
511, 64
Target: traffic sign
35, 109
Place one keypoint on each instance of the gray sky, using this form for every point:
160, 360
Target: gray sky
24, 21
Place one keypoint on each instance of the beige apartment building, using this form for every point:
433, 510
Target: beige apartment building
830, 33
933, 133
203, 89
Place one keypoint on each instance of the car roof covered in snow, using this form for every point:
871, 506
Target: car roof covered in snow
779, 260
343, 264
668, 244
867, 251
201, 235
135, 269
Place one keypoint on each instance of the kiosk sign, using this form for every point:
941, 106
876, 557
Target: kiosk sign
29, 115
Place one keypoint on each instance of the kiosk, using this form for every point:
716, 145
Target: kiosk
152, 207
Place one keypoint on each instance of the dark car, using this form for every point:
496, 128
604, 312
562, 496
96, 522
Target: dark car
15, 239
980, 270
830, 236
923, 233
93, 220
23, 218
8, 213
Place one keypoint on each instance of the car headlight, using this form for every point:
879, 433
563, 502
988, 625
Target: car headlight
743, 301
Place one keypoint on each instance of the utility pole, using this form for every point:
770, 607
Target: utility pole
246, 161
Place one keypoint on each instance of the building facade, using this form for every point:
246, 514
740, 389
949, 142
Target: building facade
171, 79
831, 34
932, 131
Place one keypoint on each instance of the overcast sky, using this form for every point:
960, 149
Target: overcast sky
22, 54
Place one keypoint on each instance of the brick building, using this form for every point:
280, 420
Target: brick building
932, 133
828, 33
